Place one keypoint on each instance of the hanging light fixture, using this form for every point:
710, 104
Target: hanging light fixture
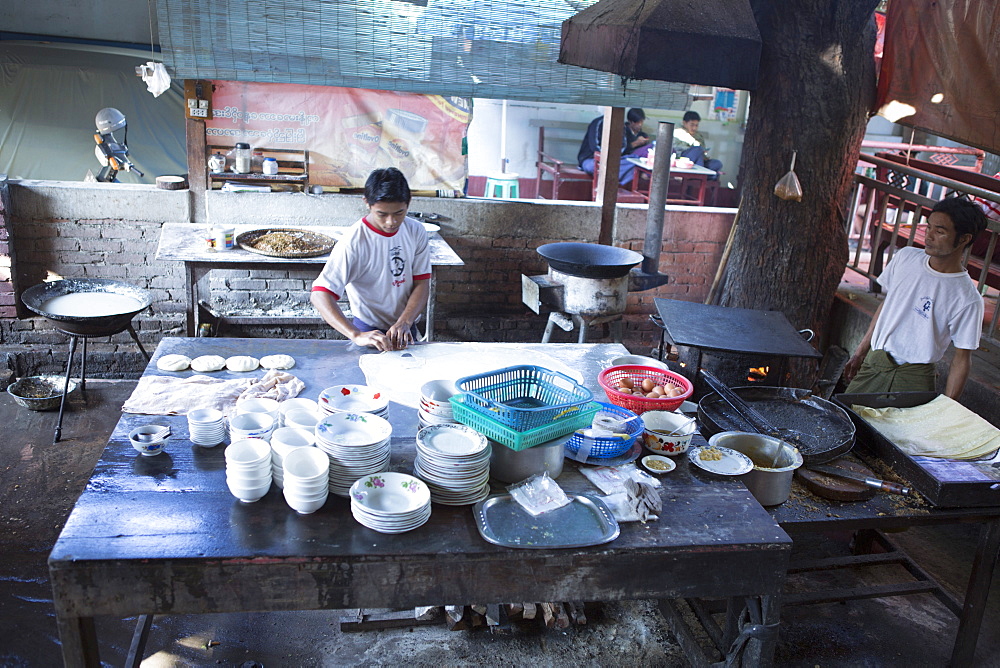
706, 42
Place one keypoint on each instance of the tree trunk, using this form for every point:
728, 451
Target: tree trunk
816, 86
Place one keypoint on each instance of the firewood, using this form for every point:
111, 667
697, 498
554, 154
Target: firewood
481, 609
530, 610
548, 614
425, 612
576, 612
453, 616
515, 611
493, 614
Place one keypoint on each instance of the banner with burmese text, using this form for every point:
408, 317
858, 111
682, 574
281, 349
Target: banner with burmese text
347, 131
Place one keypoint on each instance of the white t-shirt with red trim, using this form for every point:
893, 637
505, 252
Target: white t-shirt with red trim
925, 310
377, 270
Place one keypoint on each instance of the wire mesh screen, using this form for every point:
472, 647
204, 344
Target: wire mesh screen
501, 49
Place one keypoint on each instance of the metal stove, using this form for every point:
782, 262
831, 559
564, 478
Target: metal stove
740, 346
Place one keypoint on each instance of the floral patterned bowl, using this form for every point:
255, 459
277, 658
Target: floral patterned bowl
390, 493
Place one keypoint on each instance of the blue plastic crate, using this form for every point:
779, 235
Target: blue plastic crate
521, 440
604, 448
523, 397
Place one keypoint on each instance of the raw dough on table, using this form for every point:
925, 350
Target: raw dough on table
277, 361
207, 363
242, 363
173, 363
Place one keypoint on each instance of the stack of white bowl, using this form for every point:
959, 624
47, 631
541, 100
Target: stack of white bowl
206, 427
307, 475
250, 425
248, 469
454, 461
434, 405
283, 441
390, 502
260, 406
357, 445
301, 419
354, 399
296, 404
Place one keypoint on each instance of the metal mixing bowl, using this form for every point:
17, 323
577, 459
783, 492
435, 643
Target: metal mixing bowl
40, 393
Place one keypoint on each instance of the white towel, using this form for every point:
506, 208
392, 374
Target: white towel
169, 395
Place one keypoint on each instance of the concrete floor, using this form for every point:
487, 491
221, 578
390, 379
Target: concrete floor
39, 483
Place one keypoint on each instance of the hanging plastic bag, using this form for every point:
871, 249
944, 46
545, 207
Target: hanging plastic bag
788, 187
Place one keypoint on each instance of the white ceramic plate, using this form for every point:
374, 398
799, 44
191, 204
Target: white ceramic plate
353, 398
431, 227
732, 462
358, 429
451, 440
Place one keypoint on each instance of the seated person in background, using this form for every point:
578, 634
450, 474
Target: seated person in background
383, 265
690, 144
632, 138
930, 303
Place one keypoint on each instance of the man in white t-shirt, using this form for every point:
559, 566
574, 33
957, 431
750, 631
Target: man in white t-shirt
930, 303
382, 264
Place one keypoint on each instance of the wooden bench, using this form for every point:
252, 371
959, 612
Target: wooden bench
561, 172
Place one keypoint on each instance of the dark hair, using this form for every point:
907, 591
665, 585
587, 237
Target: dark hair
635, 115
387, 185
965, 216
691, 116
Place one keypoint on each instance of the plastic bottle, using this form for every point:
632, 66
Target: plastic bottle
269, 166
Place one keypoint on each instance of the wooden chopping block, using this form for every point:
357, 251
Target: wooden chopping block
838, 489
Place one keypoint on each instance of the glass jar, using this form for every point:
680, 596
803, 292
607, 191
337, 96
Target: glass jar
241, 164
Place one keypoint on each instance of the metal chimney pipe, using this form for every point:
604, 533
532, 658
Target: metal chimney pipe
659, 182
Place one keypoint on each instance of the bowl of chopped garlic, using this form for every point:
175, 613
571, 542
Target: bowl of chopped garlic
774, 464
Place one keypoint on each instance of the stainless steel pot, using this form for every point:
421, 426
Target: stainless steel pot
591, 296
769, 485
508, 465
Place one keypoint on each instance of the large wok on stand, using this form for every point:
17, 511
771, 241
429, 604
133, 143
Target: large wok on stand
823, 430
82, 326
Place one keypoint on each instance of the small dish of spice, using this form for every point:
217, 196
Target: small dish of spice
658, 465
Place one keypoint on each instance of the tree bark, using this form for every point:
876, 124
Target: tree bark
816, 87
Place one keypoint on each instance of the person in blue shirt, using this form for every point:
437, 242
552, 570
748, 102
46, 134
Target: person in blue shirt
632, 138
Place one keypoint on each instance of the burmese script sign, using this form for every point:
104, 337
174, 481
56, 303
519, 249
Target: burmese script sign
347, 131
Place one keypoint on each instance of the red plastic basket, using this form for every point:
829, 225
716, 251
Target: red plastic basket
609, 378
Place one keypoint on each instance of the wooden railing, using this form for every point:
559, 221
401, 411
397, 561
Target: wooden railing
887, 210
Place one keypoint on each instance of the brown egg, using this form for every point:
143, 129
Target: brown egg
674, 392
658, 389
648, 385
626, 383
653, 395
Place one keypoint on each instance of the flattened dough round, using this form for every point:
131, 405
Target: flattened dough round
173, 363
277, 361
207, 363
242, 363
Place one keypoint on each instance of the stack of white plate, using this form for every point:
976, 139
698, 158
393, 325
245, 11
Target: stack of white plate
357, 445
206, 427
390, 502
283, 441
454, 461
354, 399
434, 405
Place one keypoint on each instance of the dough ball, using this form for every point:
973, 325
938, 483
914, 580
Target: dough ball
242, 363
173, 363
277, 362
207, 363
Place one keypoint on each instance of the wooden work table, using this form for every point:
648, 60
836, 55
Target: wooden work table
185, 242
162, 534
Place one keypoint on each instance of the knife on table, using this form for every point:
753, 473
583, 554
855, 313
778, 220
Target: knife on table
884, 485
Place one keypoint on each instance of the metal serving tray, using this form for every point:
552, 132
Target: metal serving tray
584, 521
946, 483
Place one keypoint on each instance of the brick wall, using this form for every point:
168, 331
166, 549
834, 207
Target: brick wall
112, 231
8, 308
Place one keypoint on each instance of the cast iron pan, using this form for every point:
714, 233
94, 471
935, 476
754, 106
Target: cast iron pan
824, 429
104, 325
589, 260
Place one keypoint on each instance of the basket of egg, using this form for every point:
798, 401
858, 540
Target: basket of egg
644, 388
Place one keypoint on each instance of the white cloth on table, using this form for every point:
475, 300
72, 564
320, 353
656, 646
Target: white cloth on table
169, 395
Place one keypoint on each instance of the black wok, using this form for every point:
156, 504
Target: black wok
824, 431
103, 325
589, 260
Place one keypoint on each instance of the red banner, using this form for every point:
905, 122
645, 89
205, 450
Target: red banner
348, 131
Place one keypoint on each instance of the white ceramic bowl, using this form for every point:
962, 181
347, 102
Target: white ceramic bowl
305, 465
438, 391
667, 421
250, 425
285, 439
247, 453
248, 493
249, 478
205, 416
149, 440
640, 360
258, 405
296, 404
300, 419
353, 429
390, 493
303, 506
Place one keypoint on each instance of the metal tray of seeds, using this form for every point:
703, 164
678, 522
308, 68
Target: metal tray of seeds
285, 242
583, 522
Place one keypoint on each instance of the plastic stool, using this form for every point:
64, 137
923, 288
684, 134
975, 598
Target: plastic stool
502, 186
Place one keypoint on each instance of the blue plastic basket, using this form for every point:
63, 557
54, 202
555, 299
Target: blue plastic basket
523, 397
521, 440
603, 448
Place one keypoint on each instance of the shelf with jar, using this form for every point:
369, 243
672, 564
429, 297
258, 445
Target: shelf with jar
284, 168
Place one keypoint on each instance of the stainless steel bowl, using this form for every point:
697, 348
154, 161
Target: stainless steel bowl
770, 485
508, 465
40, 393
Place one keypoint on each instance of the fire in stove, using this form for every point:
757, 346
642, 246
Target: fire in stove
758, 374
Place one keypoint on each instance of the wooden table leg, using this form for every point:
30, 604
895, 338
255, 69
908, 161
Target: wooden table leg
976, 594
196, 277
79, 642
431, 294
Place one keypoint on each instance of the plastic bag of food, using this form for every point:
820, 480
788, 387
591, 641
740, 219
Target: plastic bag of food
538, 494
788, 187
